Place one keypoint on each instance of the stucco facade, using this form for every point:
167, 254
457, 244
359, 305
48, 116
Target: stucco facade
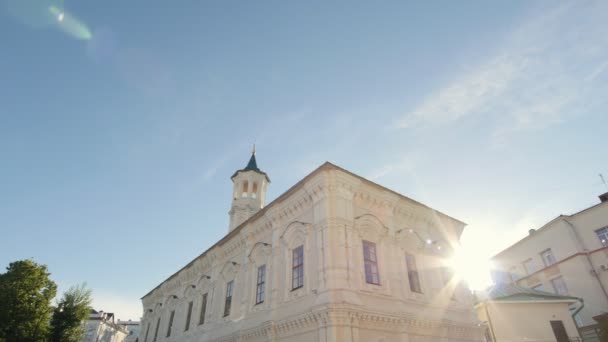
309, 242
565, 256
100, 327
526, 321
133, 329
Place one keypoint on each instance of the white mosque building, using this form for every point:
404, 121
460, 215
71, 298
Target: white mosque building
334, 258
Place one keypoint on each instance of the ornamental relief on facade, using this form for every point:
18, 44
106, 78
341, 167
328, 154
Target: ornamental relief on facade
189, 291
370, 228
295, 234
204, 282
229, 270
260, 252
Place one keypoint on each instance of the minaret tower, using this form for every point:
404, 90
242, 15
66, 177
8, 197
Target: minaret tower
249, 192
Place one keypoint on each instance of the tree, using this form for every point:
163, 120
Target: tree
73, 308
26, 292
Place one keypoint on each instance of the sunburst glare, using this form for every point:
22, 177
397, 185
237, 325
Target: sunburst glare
471, 267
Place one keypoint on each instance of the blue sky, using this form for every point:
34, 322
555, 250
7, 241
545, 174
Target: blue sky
121, 124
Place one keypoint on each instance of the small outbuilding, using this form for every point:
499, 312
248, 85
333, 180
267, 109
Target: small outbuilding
514, 313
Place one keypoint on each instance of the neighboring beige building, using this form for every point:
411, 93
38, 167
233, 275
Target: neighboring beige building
334, 258
567, 256
514, 314
133, 329
100, 327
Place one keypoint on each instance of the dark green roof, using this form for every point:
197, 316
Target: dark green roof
510, 292
252, 165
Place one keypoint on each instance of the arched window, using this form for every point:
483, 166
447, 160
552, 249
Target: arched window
254, 192
245, 188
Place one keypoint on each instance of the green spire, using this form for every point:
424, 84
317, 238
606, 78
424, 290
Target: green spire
252, 165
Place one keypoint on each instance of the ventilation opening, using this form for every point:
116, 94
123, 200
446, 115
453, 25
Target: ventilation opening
245, 188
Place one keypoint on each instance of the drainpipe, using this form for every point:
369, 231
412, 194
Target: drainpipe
490, 321
580, 300
586, 251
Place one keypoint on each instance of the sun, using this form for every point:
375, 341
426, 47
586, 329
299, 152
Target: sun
471, 267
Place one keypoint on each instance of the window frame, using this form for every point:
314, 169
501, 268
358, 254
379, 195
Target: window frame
297, 268
602, 232
529, 262
147, 332
170, 326
561, 280
156, 330
513, 274
370, 263
541, 286
203, 311
550, 253
228, 298
188, 315
412, 273
260, 289
245, 192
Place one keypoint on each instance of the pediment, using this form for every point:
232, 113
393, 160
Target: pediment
295, 233
229, 270
370, 227
260, 250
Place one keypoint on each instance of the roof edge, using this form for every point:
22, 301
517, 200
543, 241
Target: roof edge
280, 198
544, 226
238, 228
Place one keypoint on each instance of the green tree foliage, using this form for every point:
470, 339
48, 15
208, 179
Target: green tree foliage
73, 308
25, 302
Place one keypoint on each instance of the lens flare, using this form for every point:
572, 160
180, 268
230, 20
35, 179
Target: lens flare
69, 24
472, 268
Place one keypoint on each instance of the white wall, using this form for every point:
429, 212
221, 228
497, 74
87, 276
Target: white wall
329, 215
573, 247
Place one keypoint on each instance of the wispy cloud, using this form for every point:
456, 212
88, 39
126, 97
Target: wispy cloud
546, 70
471, 92
407, 163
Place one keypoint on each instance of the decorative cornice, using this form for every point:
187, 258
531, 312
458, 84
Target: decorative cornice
347, 316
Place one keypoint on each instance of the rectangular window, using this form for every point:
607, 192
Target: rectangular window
156, 330
559, 285
260, 291
201, 319
548, 258
170, 323
514, 274
228, 302
412, 273
539, 287
529, 266
297, 268
602, 234
371, 263
147, 331
188, 316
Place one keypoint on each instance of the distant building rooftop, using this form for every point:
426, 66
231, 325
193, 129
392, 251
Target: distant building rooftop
512, 293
